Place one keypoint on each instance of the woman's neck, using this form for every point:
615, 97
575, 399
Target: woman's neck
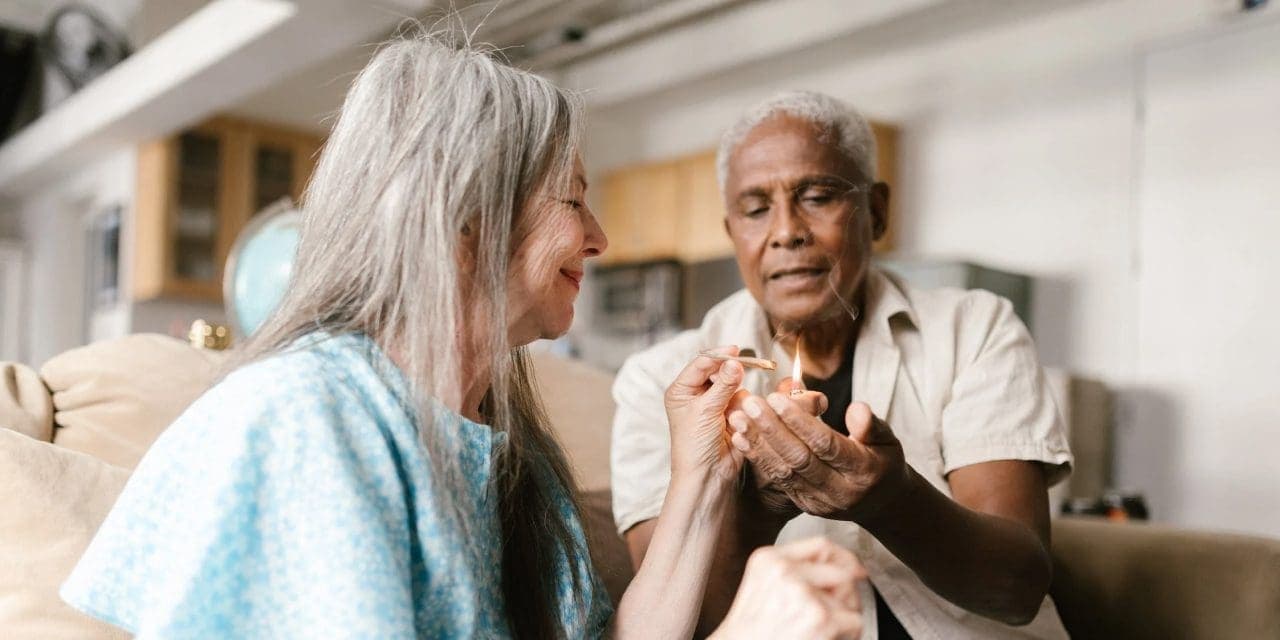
473, 380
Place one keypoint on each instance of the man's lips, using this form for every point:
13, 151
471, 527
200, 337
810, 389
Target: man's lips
797, 272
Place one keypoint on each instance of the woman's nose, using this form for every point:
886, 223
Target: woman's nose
595, 241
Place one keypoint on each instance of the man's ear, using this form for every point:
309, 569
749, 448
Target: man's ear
879, 198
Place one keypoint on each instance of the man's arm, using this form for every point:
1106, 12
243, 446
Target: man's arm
985, 551
993, 559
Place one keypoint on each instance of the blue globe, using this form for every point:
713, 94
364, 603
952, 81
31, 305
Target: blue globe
259, 266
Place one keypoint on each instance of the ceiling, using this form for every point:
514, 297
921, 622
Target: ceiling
537, 34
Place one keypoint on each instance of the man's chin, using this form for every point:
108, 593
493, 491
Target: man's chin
793, 316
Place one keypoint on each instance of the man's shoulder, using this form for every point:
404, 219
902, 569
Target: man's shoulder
950, 307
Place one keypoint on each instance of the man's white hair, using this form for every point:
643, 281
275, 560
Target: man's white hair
839, 123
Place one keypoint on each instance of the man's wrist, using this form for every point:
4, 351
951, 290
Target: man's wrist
897, 501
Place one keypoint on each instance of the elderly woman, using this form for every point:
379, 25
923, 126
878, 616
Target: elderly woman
378, 465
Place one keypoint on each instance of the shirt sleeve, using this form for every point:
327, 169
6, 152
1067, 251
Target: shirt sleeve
640, 452
269, 509
1000, 405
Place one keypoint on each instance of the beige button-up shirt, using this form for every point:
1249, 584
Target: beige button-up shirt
953, 372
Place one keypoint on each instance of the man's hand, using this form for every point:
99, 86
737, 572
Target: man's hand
821, 471
760, 490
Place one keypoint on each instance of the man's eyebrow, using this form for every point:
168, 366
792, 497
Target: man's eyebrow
823, 180
752, 192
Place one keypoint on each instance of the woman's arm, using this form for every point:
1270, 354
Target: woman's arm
809, 588
665, 596
704, 471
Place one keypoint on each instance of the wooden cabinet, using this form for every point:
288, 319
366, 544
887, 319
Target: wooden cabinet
674, 209
197, 190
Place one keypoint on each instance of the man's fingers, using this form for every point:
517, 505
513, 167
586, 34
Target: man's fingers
794, 455
813, 403
823, 443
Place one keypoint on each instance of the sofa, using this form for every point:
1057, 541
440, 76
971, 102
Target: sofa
71, 431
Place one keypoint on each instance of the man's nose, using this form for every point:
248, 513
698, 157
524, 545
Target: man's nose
789, 229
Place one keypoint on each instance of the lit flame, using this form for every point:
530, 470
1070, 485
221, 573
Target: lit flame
797, 369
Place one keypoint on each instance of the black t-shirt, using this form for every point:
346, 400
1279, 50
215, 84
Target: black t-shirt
839, 391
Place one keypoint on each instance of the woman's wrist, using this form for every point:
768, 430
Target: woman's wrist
703, 491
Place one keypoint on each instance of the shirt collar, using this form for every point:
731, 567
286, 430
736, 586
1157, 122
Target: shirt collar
884, 302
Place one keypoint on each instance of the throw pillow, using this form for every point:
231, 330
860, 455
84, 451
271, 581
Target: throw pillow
54, 502
25, 405
113, 398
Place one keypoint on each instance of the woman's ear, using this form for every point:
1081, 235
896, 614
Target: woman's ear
468, 249
879, 210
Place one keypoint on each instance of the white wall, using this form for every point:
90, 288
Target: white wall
53, 229
1025, 148
1208, 347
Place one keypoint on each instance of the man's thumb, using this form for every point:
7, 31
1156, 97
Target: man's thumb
865, 427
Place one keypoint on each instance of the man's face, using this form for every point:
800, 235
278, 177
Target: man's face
802, 219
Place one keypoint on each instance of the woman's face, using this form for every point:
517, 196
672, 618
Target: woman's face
554, 241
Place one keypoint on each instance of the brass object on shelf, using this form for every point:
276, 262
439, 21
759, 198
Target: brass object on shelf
204, 335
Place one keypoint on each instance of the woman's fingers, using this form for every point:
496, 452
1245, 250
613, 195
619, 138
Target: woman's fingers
694, 377
810, 584
725, 385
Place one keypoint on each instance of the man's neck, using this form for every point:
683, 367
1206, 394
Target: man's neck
825, 343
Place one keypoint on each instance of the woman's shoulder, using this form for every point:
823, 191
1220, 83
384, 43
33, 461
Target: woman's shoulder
330, 381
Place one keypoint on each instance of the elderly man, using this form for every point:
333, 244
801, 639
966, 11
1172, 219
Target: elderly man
927, 437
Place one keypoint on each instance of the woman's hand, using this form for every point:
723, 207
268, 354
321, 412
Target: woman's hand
696, 403
806, 589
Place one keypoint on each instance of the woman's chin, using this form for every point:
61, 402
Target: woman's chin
557, 327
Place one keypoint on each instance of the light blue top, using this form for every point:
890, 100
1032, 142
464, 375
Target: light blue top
292, 500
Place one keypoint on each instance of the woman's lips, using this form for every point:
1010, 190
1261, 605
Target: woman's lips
574, 276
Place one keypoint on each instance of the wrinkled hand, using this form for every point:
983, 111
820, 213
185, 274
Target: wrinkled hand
806, 589
759, 488
820, 470
696, 403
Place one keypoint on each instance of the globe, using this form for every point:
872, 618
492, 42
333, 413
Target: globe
259, 265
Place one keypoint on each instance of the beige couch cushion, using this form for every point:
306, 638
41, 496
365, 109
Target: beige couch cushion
579, 402
1150, 581
25, 405
54, 501
112, 398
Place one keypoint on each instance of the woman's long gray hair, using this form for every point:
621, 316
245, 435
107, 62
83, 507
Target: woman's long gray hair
439, 151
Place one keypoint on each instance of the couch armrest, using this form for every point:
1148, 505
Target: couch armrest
1148, 581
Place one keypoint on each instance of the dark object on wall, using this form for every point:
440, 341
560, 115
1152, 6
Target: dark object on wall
706, 283
19, 80
1250, 5
81, 45
639, 298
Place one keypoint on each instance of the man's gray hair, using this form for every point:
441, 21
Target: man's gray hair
836, 119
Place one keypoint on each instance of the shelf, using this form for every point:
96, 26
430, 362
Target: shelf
221, 54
